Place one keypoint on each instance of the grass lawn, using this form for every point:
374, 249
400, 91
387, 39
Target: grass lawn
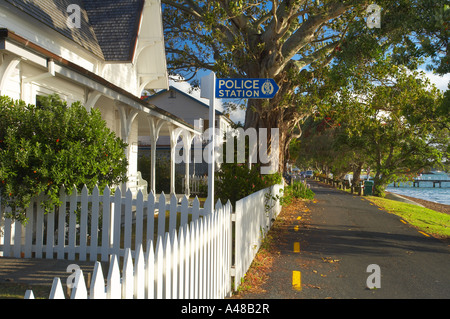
17, 291
429, 221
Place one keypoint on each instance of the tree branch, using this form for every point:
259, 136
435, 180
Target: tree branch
192, 9
311, 58
282, 18
304, 35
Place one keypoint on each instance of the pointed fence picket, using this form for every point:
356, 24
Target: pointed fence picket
93, 226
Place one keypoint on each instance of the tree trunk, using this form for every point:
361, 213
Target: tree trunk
357, 173
276, 113
257, 117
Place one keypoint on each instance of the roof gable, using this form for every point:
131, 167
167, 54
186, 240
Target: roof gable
54, 14
109, 28
116, 25
189, 96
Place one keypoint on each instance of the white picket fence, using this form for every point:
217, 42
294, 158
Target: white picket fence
193, 263
75, 230
254, 216
198, 254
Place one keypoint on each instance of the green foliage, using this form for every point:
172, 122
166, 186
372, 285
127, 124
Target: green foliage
50, 145
385, 117
162, 169
296, 190
236, 181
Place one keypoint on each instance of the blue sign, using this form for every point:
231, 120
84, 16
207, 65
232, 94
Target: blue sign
246, 88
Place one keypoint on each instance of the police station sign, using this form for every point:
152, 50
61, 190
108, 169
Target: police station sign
246, 88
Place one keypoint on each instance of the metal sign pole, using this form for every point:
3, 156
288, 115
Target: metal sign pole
208, 91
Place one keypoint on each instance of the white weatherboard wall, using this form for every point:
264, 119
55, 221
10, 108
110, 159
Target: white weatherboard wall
181, 105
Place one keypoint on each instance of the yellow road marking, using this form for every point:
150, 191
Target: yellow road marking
425, 234
296, 280
296, 247
403, 221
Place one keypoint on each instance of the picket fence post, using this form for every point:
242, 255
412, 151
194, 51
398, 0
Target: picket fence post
29, 294
94, 224
83, 223
181, 262
139, 274
97, 289
72, 224
159, 268
61, 226
39, 227
167, 275
114, 287
127, 276
150, 271
57, 291
79, 290
174, 263
139, 224
106, 223
161, 214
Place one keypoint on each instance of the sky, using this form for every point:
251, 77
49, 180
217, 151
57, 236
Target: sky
441, 82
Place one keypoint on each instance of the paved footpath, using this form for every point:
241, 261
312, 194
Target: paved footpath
341, 235
39, 271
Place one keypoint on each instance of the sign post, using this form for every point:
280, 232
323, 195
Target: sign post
208, 89
212, 88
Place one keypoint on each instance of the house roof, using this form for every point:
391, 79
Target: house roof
109, 28
149, 98
116, 25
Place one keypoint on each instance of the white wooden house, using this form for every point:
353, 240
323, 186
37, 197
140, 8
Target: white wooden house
102, 53
195, 112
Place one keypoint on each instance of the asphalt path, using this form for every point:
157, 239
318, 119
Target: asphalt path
339, 238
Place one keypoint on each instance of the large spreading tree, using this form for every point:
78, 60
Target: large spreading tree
293, 42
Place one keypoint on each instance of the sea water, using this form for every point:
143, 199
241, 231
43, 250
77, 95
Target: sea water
426, 190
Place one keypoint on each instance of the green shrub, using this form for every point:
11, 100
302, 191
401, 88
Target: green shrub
50, 145
236, 181
296, 190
